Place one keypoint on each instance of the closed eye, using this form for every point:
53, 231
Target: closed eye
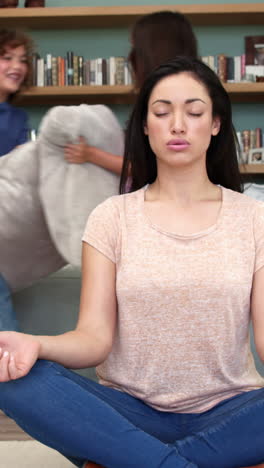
195, 114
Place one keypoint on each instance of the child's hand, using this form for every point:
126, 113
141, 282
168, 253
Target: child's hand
76, 153
18, 354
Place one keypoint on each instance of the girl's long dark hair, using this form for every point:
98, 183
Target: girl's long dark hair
139, 167
157, 38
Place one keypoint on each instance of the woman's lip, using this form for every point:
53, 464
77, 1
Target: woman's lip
178, 147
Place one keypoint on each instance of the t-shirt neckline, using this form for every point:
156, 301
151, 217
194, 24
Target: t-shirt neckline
195, 235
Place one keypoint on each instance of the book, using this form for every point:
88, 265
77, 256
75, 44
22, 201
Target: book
40, 72
119, 70
104, 71
259, 136
61, 71
75, 70
69, 68
49, 70
246, 143
230, 69
222, 66
34, 76
54, 71
80, 70
237, 64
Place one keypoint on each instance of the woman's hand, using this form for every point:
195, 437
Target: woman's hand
18, 354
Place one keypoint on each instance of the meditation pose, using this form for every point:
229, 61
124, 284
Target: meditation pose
172, 273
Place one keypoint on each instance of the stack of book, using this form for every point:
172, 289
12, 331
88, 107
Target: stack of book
246, 67
74, 70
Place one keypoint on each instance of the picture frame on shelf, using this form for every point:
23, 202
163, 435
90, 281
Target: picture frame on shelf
254, 50
256, 156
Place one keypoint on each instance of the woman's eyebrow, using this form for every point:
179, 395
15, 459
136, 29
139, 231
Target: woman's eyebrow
188, 101
163, 101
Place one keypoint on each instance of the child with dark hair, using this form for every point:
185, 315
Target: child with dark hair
155, 38
158, 37
172, 273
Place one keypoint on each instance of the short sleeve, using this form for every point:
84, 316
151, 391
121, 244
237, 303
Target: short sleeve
259, 236
103, 228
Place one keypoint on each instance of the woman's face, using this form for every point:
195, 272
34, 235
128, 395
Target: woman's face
179, 120
13, 70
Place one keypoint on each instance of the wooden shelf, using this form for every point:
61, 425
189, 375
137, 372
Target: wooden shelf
123, 16
245, 92
72, 95
252, 168
50, 95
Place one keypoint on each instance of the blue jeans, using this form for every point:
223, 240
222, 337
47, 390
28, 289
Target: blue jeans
87, 421
7, 314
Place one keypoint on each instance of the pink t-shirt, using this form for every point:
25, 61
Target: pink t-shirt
182, 335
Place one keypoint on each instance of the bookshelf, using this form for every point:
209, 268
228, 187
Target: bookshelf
252, 169
124, 16
114, 16
59, 18
75, 95
239, 92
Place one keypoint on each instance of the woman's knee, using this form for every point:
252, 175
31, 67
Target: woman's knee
25, 389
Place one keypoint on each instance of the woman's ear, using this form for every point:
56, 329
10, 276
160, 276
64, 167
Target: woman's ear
216, 125
145, 128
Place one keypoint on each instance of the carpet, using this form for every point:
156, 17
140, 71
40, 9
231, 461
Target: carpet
30, 454
18, 450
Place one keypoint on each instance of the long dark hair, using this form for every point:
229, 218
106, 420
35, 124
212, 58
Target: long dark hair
140, 168
157, 38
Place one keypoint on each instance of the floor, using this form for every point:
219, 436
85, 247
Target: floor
18, 450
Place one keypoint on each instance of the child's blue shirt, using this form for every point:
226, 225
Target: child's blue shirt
13, 127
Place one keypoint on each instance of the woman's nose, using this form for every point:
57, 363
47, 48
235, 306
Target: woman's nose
178, 123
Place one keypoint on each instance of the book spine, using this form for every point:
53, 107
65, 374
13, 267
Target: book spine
112, 71
87, 72
222, 67
80, 71
99, 72
237, 60
92, 72
243, 66
104, 72
54, 71
246, 143
230, 69
70, 68
40, 72
49, 71
119, 71
34, 77
75, 70
258, 137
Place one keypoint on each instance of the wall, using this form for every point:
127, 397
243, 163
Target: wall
105, 42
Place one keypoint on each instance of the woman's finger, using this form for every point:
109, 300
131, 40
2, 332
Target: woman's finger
13, 372
4, 361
